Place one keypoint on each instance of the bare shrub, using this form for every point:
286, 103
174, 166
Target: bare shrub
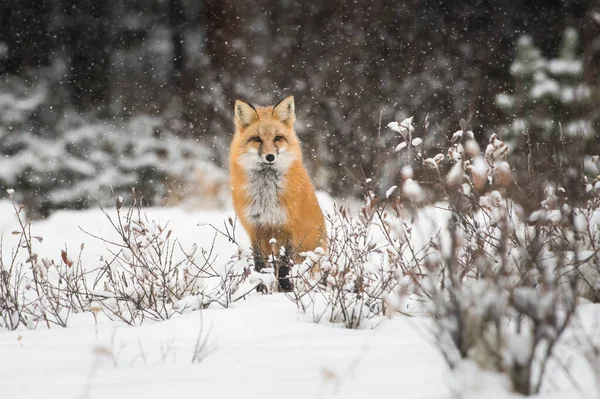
38, 290
501, 285
149, 275
348, 284
501, 280
145, 274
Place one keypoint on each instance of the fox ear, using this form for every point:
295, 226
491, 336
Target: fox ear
245, 113
284, 110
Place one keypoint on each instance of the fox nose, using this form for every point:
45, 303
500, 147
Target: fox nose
270, 157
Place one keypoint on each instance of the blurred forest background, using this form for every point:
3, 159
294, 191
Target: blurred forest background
97, 94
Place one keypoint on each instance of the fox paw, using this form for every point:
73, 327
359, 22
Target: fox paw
261, 288
285, 284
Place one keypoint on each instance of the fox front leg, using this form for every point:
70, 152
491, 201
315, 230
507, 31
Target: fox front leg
285, 264
259, 265
259, 260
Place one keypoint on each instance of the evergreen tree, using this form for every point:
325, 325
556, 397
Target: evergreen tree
549, 111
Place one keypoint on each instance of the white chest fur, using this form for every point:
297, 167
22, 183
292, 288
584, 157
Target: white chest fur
264, 186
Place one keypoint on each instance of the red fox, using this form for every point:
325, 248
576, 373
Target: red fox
272, 193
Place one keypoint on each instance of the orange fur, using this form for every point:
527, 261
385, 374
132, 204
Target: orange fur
304, 226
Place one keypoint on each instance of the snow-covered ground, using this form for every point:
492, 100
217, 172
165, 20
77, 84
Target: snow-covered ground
262, 347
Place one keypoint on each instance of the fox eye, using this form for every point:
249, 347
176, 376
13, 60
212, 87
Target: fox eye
277, 138
257, 139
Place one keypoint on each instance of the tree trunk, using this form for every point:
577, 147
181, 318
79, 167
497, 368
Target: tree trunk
521, 379
24, 31
223, 25
88, 47
177, 23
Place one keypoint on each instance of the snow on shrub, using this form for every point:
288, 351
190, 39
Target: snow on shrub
144, 274
501, 283
348, 284
147, 274
38, 290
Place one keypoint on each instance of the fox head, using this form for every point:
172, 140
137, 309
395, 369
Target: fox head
264, 136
